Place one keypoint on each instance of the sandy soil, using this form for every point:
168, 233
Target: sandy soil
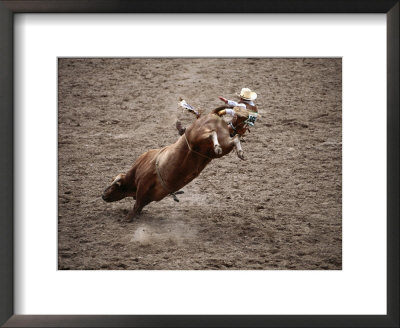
279, 209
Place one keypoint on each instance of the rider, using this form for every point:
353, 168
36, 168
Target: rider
239, 124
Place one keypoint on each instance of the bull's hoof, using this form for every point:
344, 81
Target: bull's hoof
240, 154
128, 219
218, 149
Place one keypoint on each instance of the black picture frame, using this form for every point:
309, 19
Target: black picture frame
7, 11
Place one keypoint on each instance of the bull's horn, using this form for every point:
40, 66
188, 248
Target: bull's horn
117, 179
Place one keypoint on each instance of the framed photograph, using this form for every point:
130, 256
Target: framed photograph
189, 182
206, 164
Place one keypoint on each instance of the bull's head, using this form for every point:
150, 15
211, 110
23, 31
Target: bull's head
116, 191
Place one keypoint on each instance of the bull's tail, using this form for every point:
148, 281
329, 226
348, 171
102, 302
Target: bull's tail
181, 130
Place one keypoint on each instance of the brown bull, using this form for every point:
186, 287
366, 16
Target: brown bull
162, 172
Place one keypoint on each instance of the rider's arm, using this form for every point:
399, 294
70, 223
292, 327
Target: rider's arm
232, 103
229, 111
226, 111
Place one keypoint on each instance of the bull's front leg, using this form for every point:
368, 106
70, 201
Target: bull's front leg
137, 208
238, 146
135, 212
217, 146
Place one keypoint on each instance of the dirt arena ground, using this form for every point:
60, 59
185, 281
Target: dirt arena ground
279, 209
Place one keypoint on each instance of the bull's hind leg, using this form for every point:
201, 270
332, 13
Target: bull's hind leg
238, 146
217, 146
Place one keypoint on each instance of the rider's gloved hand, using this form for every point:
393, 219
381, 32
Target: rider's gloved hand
223, 99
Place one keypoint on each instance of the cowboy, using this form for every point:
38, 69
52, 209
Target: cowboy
240, 124
244, 112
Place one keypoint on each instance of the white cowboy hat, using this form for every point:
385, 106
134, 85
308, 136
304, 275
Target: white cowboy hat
247, 94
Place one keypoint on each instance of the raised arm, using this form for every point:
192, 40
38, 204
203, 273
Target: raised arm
231, 103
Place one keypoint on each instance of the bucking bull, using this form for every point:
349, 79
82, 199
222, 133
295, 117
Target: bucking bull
161, 172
